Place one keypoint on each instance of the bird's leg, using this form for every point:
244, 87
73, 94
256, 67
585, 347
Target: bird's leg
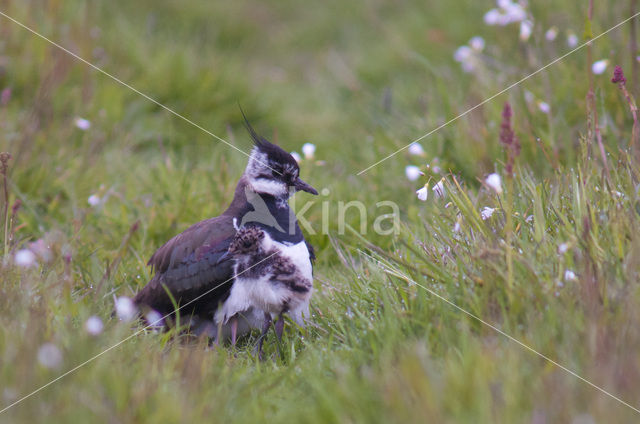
279, 327
234, 330
266, 324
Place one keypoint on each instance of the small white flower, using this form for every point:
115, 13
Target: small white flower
514, 12
544, 107
495, 182
569, 275
154, 319
41, 249
467, 58
493, 17
486, 213
526, 28
600, 66
551, 34
562, 248
82, 124
477, 43
436, 169
469, 66
416, 149
528, 96
438, 189
93, 325
308, 150
125, 309
529, 219
618, 193
412, 172
423, 193
572, 40
296, 156
462, 54
49, 356
456, 227
94, 200
25, 258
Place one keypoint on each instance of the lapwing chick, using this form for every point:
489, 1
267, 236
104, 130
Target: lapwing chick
267, 278
189, 271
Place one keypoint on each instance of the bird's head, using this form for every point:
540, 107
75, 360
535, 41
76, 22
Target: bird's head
271, 170
248, 242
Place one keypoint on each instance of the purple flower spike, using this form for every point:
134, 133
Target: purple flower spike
618, 76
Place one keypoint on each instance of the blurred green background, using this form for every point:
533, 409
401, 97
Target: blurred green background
359, 80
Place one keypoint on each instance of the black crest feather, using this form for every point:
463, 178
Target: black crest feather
275, 153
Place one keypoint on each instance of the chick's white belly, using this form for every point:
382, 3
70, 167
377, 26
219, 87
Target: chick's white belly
299, 255
272, 298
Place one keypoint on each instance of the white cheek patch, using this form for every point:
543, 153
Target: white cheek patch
257, 163
266, 186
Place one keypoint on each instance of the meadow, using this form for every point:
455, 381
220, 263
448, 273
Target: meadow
509, 302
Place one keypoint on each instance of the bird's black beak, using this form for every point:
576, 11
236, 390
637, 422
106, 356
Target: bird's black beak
223, 258
301, 185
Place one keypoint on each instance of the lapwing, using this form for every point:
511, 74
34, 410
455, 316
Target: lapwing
267, 278
190, 270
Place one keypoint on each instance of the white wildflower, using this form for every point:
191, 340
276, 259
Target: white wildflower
423, 193
308, 150
526, 28
456, 227
528, 96
436, 169
416, 149
41, 249
544, 107
25, 258
82, 124
486, 213
562, 248
94, 200
514, 11
551, 34
94, 325
493, 17
412, 172
154, 319
438, 189
125, 309
296, 156
572, 40
462, 54
477, 43
49, 356
600, 66
495, 182
569, 275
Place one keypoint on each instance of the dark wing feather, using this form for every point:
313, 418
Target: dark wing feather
187, 267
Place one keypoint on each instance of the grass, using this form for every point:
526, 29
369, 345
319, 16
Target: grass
359, 81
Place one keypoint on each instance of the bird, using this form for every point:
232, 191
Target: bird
190, 276
267, 279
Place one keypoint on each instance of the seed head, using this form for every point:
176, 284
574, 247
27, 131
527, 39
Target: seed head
618, 75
